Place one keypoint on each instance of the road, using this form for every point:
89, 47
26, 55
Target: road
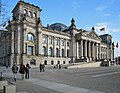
74, 80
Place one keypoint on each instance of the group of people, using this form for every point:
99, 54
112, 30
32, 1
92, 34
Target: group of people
23, 70
57, 66
42, 66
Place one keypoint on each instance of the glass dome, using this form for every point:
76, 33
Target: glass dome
58, 27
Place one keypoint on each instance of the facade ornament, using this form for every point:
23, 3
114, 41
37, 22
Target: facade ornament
39, 21
93, 28
73, 26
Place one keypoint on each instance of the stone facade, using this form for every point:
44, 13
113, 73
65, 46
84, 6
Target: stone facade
28, 41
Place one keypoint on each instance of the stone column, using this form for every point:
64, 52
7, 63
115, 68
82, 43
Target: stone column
85, 50
81, 47
102, 56
89, 50
93, 51
54, 47
77, 52
12, 42
65, 48
47, 47
24, 49
60, 49
97, 50
103, 52
40, 42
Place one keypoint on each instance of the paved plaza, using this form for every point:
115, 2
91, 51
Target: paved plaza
71, 80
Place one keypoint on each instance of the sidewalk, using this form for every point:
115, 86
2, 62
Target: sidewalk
34, 85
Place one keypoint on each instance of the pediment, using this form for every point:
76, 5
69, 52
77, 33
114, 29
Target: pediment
93, 35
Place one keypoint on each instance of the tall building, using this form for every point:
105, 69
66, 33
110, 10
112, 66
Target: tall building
26, 40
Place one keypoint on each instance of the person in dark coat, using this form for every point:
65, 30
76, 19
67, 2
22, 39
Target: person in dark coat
22, 70
14, 70
27, 71
40, 66
43, 67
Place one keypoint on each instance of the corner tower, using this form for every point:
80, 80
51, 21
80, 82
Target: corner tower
26, 11
25, 33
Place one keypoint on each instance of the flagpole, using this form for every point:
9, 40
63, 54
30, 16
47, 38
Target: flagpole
117, 56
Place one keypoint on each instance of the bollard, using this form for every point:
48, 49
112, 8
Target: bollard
2, 84
9, 89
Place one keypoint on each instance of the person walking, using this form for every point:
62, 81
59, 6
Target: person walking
22, 70
14, 70
40, 66
43, 67
27, 71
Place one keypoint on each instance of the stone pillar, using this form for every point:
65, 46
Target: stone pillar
24, 43
12, 42
103, 52
102, 56
93, 50
81, 47
85, 50
89, 50
97, 50
60, 49
47, 47
100, 52
54, 47
77, 52
65, 48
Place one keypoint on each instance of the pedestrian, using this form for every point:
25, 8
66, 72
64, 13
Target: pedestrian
14, 70
22, 70
27, 71
43, 67
40, 66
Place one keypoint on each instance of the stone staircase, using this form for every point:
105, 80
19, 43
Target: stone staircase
85, 64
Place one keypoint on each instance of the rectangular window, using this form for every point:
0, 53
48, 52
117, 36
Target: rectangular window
57, 41
63, 43
67, 43
30, 50
50, 40
44, 40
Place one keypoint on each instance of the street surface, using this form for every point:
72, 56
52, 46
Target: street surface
72, 80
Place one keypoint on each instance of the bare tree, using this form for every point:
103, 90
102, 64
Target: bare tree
3, 13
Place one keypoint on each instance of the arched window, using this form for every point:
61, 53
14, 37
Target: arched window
30, 13
34, 14
50, 51
32, 62
67, 53
25, 11
30, 36
52, 62
57, 52
63, 54
44, 50
30, 50
63, 62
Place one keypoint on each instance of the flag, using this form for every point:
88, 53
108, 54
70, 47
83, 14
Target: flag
102, 29
4, 24
113, 44
117, 45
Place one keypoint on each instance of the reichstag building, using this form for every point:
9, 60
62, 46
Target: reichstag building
26, 40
